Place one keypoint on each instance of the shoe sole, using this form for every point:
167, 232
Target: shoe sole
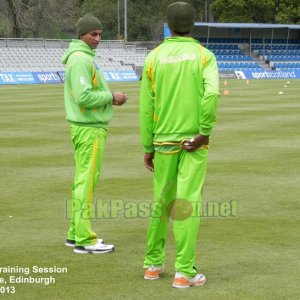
174, 285
81, 251
151, 278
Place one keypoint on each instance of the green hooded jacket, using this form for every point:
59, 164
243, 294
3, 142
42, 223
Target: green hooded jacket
179, 92
88, 100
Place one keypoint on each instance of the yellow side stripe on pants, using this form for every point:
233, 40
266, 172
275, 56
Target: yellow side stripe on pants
91, 187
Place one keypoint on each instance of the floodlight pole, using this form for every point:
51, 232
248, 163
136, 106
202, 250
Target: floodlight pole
125, 20
119, 30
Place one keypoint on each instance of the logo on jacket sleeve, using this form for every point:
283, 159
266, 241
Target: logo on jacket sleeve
81, 79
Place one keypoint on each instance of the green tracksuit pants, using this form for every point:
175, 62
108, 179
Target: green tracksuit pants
88, 145
176, 176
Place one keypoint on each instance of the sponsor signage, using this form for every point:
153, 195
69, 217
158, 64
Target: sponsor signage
58, 77
113, 76
16, 78
263, 74
227, 75
121, 76
47, 77
29, 77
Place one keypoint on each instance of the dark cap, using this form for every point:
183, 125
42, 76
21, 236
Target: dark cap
181, 17
86, 24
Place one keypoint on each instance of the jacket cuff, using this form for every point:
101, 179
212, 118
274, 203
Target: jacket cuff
205, 131
110, 97
148, 149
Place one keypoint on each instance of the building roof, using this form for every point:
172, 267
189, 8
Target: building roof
248, 25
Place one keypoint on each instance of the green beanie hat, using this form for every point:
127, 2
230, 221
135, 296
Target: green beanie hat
86, 24
181, 17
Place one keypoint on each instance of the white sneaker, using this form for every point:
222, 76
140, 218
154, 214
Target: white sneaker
180, 281
72, 243
98, 248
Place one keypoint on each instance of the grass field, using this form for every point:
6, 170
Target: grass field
254, 163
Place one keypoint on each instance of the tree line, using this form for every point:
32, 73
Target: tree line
145, 18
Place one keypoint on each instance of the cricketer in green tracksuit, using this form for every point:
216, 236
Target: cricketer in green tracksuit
89, 108
178, 102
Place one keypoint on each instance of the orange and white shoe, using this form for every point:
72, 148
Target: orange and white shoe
180, 281
153, 272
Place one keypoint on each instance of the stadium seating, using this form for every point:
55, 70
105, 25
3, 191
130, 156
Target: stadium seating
278, 53
231, 55
286, 65
21, 55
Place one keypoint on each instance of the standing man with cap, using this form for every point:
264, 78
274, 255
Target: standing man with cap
89, 106
178, 101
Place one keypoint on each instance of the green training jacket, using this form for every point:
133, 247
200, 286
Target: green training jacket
179, 92
88, 100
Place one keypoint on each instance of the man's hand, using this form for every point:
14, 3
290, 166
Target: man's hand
148, 161
196, 142
119, 98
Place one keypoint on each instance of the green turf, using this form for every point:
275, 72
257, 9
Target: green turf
254, 162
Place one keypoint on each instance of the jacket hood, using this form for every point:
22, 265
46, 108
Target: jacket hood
77, 45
